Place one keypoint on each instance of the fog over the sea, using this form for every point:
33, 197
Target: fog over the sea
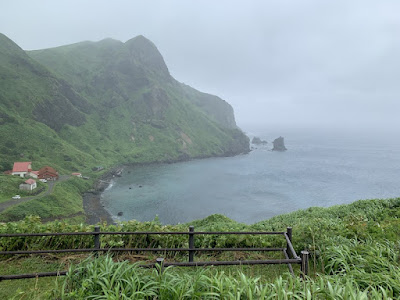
279, 63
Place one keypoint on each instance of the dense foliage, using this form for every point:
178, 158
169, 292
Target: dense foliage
104, 279
355, 255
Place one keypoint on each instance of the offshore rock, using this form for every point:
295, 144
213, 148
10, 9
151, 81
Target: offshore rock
258, 141
279, 144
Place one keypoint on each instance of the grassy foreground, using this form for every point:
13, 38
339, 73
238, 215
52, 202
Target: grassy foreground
355, 255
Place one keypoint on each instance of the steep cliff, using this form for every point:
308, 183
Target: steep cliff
103, 103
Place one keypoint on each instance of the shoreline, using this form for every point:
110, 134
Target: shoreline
95, 212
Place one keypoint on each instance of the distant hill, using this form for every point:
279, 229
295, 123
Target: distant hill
103, 103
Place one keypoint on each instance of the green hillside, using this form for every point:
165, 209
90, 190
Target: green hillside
101, 104
105, 103
139, 111
34, 104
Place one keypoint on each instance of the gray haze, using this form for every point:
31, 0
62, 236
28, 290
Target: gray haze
278, 62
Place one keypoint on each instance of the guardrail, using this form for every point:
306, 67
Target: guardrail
289, 253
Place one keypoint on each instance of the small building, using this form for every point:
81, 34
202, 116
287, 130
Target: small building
34, 174
48, 173
22, 168
77, 174
28, 185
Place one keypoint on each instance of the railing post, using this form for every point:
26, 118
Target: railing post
304, 263
289, 234
160, 264
97, 238
191, 243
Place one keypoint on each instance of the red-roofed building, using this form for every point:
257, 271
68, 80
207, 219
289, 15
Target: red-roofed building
77, 174
22, 168
48, 173
28, 185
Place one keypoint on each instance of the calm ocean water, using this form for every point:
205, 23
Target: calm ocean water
319, 169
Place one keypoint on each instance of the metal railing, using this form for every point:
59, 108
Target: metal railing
289, 253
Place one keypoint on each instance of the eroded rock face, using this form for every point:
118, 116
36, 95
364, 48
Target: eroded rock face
279, 144
258, 141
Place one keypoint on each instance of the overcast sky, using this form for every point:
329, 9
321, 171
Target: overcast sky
277, 62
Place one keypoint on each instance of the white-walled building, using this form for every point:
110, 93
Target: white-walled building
28, 185
22, 168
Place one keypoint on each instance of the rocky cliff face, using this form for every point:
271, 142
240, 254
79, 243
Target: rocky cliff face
108, 101
220, 110
257, 141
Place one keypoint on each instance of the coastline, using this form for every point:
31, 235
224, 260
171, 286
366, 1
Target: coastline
94, 210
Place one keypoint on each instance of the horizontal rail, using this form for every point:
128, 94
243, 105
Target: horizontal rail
290, 256
139, 233
177, 264
32, 275
233, 263
136, 250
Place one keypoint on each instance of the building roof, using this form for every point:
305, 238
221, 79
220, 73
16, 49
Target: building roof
75, 174
48, 169
30, 181
21, 166
35, 172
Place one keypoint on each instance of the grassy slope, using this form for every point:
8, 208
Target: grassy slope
9, 187
144, 109
355, 247
102, 103
64, 201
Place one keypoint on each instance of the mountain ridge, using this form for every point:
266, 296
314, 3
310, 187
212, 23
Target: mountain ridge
106, 102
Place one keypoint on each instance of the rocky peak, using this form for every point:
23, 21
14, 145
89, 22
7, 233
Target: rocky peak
146, 54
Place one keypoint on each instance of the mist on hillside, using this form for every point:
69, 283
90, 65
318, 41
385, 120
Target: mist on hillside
302, 64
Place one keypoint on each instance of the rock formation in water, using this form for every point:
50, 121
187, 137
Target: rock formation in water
258, 141
279, 144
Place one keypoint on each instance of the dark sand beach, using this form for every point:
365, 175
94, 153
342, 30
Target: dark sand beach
94, 210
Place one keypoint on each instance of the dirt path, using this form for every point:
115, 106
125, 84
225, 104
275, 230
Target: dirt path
51, 184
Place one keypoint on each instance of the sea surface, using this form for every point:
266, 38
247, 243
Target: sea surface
318, 169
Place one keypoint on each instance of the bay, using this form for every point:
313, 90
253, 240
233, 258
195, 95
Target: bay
319, 169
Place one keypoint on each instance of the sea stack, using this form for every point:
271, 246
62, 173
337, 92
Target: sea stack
279, 144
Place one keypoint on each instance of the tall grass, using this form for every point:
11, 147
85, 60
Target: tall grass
355, 255
104, 279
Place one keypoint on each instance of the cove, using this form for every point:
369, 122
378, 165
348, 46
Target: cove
257, 186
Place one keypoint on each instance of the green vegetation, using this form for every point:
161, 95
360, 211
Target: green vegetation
9, 187
103, 104
104, 279
106, 103
355, 255
65, 200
